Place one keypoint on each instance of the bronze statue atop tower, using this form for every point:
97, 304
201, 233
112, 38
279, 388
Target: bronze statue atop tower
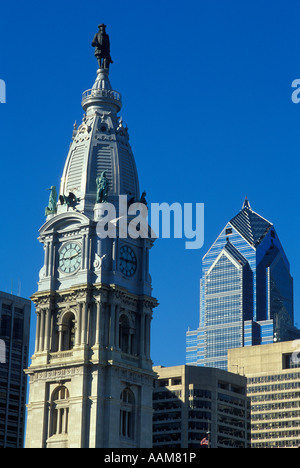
102, 47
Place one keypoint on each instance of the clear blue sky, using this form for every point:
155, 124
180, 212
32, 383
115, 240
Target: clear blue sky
206, 91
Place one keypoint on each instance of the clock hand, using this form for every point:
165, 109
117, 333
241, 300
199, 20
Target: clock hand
75, 255
128, 261
72, 256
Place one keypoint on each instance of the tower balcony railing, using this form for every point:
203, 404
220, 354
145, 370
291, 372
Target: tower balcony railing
102, 93
130, 358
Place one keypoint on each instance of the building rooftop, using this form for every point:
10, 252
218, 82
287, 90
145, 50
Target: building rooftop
250, 225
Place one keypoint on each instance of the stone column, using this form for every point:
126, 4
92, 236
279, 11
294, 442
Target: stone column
37, 334
112, 324
142, 332
147, 335
60, 337
42, 330
47, 245
100, 316
78, 331
117, 328
84, 323
47, 332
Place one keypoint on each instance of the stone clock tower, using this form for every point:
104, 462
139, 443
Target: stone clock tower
91, 375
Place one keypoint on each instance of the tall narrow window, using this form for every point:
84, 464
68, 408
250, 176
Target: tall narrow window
68, 331
59, 411
125, 335
127, 414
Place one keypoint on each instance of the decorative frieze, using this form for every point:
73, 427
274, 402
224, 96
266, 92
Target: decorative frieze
55, 375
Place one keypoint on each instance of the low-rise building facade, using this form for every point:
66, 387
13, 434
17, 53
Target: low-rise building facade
200, 407
273, 385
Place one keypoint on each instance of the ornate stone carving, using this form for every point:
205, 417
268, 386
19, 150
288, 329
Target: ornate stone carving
101, 262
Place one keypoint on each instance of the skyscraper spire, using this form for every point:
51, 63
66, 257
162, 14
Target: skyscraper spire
246, 204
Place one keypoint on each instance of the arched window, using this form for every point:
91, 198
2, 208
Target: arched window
126, 335
59, 411
68, 332
127, 414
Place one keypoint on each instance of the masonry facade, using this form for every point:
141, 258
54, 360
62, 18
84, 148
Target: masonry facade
200, 407
273, 386
91, 375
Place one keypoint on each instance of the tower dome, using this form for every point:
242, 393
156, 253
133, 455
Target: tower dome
99, 144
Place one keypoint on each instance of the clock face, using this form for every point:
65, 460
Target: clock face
128, 261
70, 258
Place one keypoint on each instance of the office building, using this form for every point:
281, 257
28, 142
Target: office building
246, 292
273, 385
14, 347
196, 406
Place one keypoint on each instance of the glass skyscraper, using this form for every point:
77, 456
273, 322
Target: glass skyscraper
246, 292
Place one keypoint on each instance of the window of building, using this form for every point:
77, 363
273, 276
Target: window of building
163, 382
290, 360
176, 381
126, 336
127, 414
59, 411
18, 328
68, 340
5, 328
